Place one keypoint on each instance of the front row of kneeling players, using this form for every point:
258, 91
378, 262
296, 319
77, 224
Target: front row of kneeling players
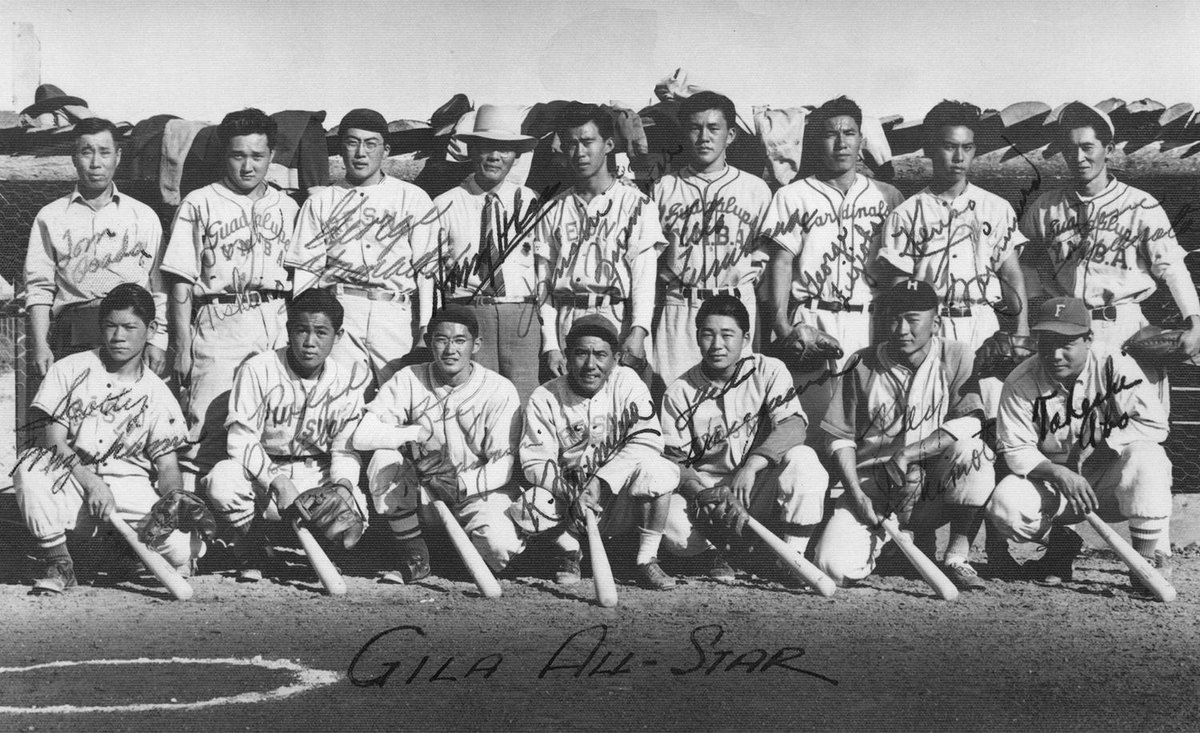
1079, 428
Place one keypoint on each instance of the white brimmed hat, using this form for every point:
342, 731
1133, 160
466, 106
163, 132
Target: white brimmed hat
500, 123
1078, 114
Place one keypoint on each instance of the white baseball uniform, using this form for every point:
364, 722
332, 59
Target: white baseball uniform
281, 424
371, 244
231, 249
711, 428
118, 429
711, 222
475, 427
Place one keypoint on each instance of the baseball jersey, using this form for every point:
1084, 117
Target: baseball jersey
956, 246
564, 430
459, 226
609, 245
475, 424
882, 405
375, 236
711, 222
118, 428
1111, 403
224, 242
1107, 249
833, 236
716, 426
273, 408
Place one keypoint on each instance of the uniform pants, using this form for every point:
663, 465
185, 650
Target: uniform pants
1114, 334
675, 347
237, 497
378, 333
400, 499
973, 330
1133, 485
793, 491
963, 475
51, 503
853, 332
512, 342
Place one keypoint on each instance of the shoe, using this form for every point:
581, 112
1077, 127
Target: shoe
58, 576
414, 563
1057, 565
1160, 562
963, 576
567, 572
718, 568
1001, 565
654, 577
249, 571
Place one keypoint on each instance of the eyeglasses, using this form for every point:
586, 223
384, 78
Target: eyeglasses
353, 145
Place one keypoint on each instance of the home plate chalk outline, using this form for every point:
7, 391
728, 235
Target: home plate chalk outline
306, 679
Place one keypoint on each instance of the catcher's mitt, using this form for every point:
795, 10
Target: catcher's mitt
1002, 352
806, 349
331, 510
1152, 346
177, 510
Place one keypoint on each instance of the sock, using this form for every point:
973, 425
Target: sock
405, 526
648, 542
567, 542
948, 559
57, 551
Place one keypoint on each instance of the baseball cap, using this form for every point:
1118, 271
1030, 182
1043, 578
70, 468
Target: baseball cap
1068, 316
1078, 114
596, 325
907, 295
363, 119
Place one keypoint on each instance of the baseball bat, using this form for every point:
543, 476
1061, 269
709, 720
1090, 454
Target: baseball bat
802, 568
1145, 572
606, 587
156, 563
930, 572
333, 581
480, 572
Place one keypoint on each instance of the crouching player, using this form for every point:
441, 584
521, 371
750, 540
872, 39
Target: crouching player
291, 415
445, 430
905, 427
737, 430
108, 422
593, 443
1081, 428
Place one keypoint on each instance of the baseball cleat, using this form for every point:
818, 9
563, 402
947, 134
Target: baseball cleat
718, 568
1001, 565
58, 577
414, 563
567, 572
249, 572
963, 576
1160, 562
1057, 565
654, 577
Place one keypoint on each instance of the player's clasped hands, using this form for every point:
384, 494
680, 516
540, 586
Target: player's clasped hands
99, 496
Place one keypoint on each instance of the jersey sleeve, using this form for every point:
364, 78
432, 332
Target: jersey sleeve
502, 430
55, 392
539, 448
40, 265
182, 255
168, 430
841, 417
246, 424
1016, 435
643, 435
308, 248
1166, 258
782, 222
676, 425
345, 463
393, 401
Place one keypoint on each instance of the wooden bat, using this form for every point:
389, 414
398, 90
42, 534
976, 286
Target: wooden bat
333, 581
930, 572
480, 572
1141, 567
606, 587
802, 568
156, 563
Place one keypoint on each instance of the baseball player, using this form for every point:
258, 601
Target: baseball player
735, 427
1081, 429
905, 438
445, 430
593, 442
485, 249
599, 243
1106, 242
84, 244
225, 261
823, 231
370, 239
291, 414
108, 423
961, 239
710, 213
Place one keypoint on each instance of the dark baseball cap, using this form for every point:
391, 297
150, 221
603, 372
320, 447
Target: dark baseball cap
906, 296
363, 119
1068, 316
596, 325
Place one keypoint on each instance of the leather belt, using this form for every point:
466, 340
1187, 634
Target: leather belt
586, 300
253, 297
703, 293
1106, 313
961, 311
393, 296
490, 299
833, 306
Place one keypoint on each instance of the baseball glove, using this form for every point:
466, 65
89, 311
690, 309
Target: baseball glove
331, 510
720, 511
807, 349
1152, 346
637, 364
1002, 352
177, 510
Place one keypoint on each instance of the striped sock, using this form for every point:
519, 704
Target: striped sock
405, 526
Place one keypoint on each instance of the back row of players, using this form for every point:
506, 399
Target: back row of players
308, 314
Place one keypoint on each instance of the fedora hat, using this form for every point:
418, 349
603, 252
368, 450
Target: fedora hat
49, 97
500, 123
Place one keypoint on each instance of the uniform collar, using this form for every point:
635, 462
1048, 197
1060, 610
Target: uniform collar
77, 197
688, 170
860, 182
328, 373
1112, 185
967, 194
224, 190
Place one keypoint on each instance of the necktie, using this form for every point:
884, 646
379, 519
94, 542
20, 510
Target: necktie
489, 259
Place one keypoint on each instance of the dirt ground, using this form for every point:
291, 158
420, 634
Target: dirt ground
753, 655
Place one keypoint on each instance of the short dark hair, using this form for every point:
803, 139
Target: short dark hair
578, 114
249, 121
838, 107
951, 113
317, 300
455, 313
704, 101
95, 126
723, 304
129, 296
